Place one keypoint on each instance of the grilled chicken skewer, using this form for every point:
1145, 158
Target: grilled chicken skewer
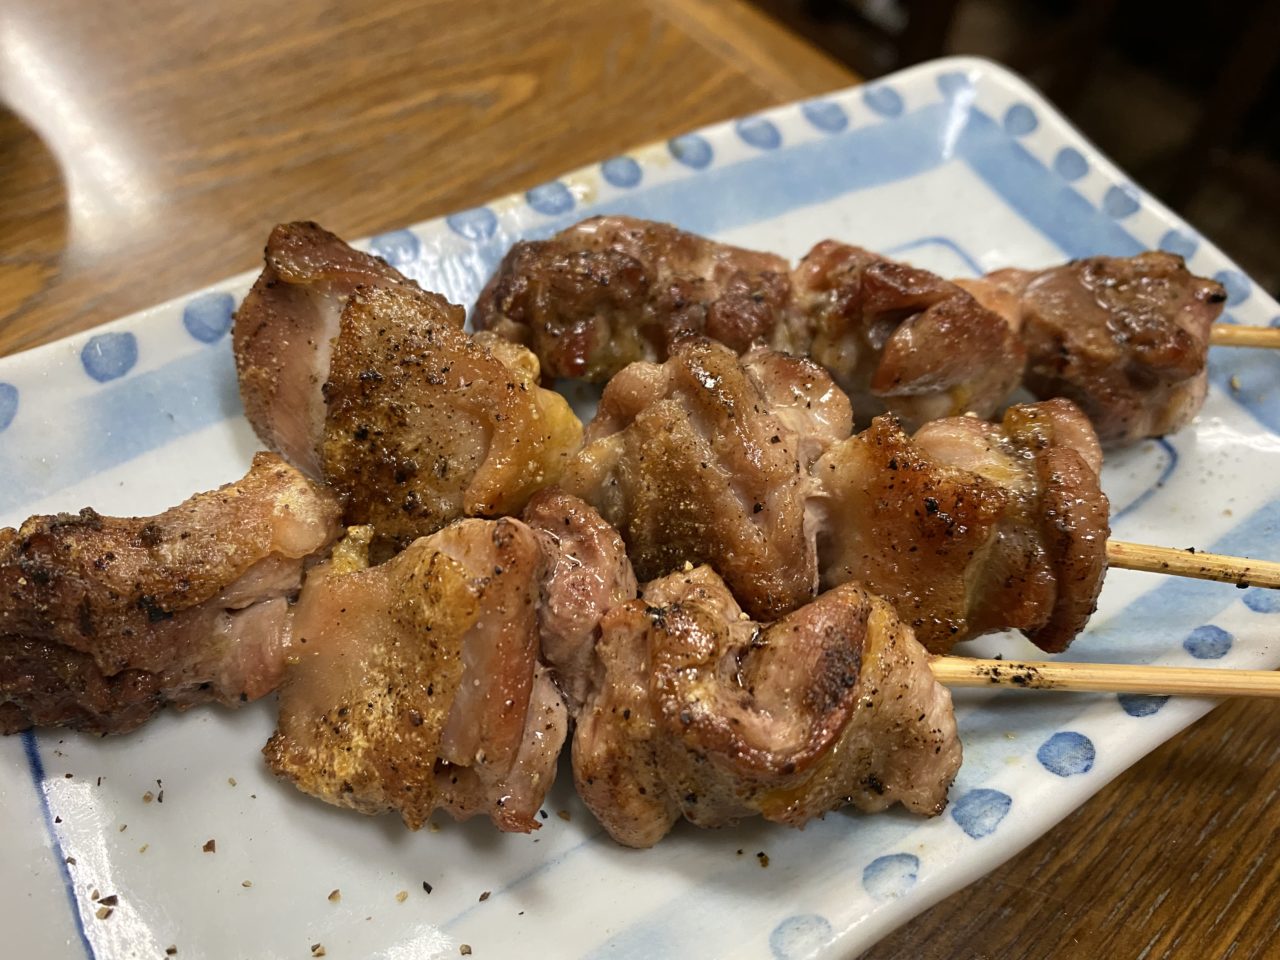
446, 677
708, 457
1126, 338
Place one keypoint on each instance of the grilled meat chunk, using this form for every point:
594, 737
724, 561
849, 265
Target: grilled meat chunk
902, 339
426, 425
284, 330
971, 527
416, 684
698, 460
613, 290
705, 714
1127, 338
104, 620
362, 379
588, 574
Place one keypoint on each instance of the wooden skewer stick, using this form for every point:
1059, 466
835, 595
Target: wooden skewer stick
1106, 677
1186, 563
1239, 335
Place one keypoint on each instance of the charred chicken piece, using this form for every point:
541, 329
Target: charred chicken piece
1125, 338
971, 527
613, 290
363, 379
416, 683
902, 339
104, 620
703, 714
698, 460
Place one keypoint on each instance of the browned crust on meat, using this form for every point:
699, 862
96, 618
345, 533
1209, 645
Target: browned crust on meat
712, 717
97, 613
426, 425
613, 290
281, 346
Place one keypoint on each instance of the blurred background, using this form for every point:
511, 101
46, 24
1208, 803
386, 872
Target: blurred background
1188, 105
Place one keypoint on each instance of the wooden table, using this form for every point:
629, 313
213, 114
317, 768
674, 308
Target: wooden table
152, 144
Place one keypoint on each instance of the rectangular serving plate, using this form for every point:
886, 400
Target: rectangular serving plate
955, 165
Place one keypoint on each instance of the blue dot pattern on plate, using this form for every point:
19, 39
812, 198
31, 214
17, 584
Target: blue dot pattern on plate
1237, 285
1208, 642
953, 84
980, 811
1070, 164
1067, 753
884, 100
551, 198
800, 936
109, 355
621, 171
208, 316
398, 248
1183, 244
8, 404
1262, 600
1020, 120
826, 115
890, 877
1119, 202
1137, 705
759, 132
691, 149
478, 223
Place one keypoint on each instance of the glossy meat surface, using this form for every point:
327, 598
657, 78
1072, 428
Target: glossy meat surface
705, 714
104, 620
690, 462
613, 290
902, 339
971, 527
1125, 338
416, 684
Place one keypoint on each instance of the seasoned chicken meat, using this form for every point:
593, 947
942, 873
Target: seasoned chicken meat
364, 380
425, 424
1125, 338
698, 460
416, 685
613, 290
284, 329
588, 574
971, 527
104, 620
704, 714
902, 339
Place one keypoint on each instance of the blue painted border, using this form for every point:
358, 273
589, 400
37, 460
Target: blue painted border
35, 766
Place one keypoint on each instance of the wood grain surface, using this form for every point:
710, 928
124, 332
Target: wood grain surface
147, 147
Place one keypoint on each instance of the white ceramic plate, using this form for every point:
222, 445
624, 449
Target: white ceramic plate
955, 165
